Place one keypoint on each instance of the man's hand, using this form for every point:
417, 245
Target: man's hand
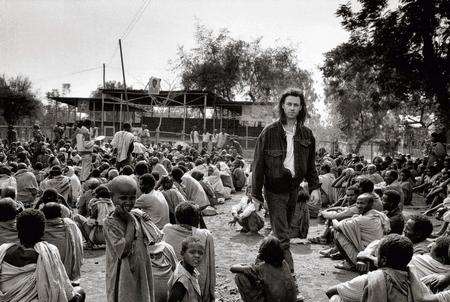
315, 195
259, 203
232, 222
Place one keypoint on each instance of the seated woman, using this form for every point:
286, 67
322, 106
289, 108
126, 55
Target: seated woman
50, 195
172, 195
66, 236
187, 217
269, 279
33, 270
393, 281
8, 213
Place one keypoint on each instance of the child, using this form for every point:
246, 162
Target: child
129, 275
393, 281
183, 285
269, 279
245, 213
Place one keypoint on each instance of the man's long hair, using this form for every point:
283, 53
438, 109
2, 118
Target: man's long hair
296, 93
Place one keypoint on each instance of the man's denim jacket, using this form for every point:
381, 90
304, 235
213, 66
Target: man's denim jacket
270, 152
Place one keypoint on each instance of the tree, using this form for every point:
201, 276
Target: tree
352, 93
409, 47
17, 99
232, 68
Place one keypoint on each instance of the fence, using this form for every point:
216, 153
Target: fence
368, 150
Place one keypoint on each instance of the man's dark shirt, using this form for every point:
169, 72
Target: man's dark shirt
270, 153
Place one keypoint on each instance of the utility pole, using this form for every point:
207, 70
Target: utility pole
103, 101
124, 82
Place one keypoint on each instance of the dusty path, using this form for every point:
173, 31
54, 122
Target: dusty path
314, 274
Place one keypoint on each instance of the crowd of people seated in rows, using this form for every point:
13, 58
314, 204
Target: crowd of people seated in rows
147, 211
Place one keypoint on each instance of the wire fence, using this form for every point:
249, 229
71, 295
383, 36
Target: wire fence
369, 150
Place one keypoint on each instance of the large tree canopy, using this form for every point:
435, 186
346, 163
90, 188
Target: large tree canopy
17, 99
408, 48
232, 67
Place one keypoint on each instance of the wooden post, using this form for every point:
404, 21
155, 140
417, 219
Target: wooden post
246, 136
214, 112
120, 113
371, 151
124, 82
204, 112
221, 118
103, 114
185, 115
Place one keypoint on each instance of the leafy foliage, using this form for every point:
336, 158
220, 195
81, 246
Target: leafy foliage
233, 67
17, 99
408, 46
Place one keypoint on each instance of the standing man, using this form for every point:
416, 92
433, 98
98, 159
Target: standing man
195, 137
123, 144
85, 146
284, 156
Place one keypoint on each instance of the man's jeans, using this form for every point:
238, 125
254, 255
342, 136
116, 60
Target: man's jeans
281, 210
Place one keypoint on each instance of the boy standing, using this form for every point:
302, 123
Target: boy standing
129, 274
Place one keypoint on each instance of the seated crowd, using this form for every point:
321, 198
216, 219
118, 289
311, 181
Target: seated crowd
147, 211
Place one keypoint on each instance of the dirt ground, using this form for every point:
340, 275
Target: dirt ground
314, 273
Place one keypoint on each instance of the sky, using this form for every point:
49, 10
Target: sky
67, 41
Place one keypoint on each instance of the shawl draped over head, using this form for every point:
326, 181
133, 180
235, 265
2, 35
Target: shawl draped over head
174, 235
122, 141
67, 237
194, 191
60, 183
47, 279
25, 181
216, 183
425, 265
104, 207
363, 229
129, 279
404, 284
8, 232
75, 182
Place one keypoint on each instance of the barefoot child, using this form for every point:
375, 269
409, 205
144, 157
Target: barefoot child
183, 285
269, 279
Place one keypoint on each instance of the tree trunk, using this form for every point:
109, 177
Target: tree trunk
436, 85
